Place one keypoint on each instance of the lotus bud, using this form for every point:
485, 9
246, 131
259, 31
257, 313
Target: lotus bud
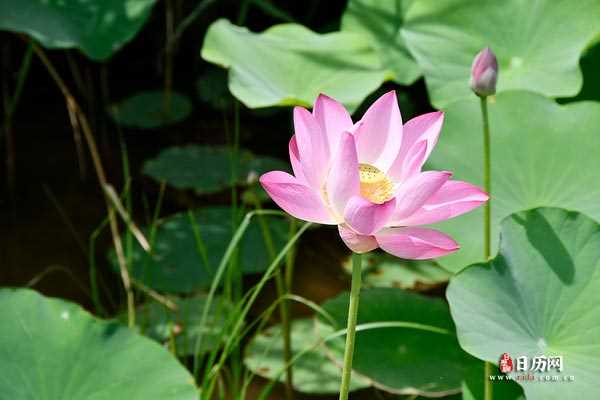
484, 73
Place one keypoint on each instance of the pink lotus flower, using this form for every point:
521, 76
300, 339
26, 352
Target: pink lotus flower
367, 179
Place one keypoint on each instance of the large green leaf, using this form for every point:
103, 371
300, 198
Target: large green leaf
381, 22
207, 169
538, 44
181, 328
313, 372
543, 154
538, 297
97, 28
53, 349
404, 360
288, 64
149, 109
177, 262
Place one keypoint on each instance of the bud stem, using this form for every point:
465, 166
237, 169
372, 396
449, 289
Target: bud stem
487, 180
487, 225
351, 330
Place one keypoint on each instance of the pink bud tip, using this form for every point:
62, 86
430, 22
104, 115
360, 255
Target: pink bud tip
484, 73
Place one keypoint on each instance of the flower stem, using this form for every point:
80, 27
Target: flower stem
487, 224
351, 330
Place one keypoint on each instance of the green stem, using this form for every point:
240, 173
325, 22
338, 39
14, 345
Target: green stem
487, 223
291, 256
11, 106
169, 32
200, 246
351, 330
236, 273
187, 21
93, 270
486, 179
233, 282
282, 290
21, 77
287, 334
220, 272
128, 200
233, 339
243, 12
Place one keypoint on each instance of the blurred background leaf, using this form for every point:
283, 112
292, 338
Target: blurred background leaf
289, 64
97, 28
187, 248
207, 169
180, 329
313, 372
150, 109
211, 88
384, 270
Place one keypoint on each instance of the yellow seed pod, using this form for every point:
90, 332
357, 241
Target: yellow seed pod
374, 184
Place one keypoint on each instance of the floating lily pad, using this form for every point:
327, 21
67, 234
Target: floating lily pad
543, 154
538, 45
289, 64
538, 297
149, 110
207, 169
404, 360
97, 28
183, 325
384, 270
177, 264
381, 22
312, 373
53, 349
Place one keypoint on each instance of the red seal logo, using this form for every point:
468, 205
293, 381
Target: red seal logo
506, 363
